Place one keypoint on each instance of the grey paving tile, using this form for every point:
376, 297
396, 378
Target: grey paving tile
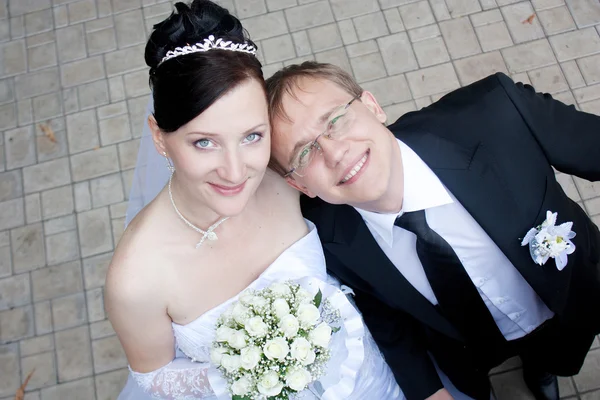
587, 379
586, 13
432, 80
510, 385
45, 370
10, 378
556, 20
522, 28
528, 56
352, 8
109, 384
460, 37
28, 250
458, 8
548, 79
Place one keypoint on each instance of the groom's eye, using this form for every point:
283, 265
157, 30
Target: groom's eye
303, 156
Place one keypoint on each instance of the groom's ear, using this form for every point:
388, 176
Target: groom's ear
371, 103
298, 186
157, 135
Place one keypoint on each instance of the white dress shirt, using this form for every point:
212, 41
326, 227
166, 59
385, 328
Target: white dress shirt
514, 305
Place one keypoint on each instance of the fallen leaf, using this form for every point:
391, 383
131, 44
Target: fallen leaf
529, 20
48, 132
20, 395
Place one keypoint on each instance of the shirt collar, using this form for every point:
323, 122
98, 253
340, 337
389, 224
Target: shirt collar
422, 190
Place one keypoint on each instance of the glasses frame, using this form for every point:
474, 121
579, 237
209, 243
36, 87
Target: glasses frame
315, 143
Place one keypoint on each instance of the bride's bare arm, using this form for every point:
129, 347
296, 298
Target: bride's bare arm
137, 310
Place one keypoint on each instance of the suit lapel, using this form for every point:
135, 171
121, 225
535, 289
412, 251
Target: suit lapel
472, 176
355, 246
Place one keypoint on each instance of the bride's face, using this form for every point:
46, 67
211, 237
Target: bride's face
221, 156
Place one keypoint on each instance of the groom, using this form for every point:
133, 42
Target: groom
426, 219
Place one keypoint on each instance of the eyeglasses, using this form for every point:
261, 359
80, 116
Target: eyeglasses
338, 123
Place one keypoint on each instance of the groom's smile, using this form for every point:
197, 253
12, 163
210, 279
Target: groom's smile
355, 171
351, 165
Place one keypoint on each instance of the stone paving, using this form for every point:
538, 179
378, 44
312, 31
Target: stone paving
73, 90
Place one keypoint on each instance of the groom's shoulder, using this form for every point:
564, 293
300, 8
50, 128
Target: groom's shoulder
473, 93
314, 207
463, 99
322, 214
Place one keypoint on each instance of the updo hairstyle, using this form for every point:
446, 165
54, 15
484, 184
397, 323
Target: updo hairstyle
184, 86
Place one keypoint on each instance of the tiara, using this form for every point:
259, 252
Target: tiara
210, 44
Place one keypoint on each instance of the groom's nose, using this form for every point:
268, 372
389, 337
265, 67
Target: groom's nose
333, 151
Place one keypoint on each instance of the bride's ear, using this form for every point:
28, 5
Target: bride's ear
157, 135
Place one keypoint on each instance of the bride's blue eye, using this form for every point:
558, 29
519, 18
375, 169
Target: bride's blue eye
253, 137
203, 143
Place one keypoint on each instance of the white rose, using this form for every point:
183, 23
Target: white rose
230, 363
228, 314
216, 354
289, 325
246, 297
269, 384
297, 379
302, 351
276, 349
304, 297
237, 340
308, 315
240, 313
256, 327
321, 335
280, 289
242, 386
249, 357
224, 333
281, 308
259, 302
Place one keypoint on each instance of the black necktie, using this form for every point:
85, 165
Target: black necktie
457, 297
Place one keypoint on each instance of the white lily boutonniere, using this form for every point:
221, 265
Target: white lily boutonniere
550, 241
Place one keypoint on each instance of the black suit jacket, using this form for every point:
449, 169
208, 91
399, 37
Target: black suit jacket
493, 144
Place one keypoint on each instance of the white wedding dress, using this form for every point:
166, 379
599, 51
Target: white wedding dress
358, 372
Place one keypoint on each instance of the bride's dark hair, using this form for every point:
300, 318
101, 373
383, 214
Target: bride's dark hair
184, 86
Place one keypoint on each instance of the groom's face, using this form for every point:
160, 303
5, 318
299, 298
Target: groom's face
351, 167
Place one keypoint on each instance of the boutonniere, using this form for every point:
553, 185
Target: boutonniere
550, 241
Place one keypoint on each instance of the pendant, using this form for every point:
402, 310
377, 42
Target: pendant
211, 236
207, 235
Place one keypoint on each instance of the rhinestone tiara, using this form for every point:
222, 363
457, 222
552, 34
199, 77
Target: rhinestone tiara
210, 44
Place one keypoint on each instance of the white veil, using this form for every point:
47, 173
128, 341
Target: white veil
151, 173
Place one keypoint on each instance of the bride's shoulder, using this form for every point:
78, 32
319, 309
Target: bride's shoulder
275, 189
138, 261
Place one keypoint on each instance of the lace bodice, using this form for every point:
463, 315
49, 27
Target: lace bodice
187, 376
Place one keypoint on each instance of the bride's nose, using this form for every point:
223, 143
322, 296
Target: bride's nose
233, 167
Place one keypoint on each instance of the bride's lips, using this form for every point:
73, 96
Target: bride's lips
228, 190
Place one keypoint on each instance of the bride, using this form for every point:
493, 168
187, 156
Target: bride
220, 221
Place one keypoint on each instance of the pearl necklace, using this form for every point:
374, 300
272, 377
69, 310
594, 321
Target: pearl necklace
207, 234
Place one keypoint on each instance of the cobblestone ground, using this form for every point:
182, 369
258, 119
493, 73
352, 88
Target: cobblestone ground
73, 89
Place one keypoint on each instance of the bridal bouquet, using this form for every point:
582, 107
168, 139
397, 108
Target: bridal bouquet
274, 342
